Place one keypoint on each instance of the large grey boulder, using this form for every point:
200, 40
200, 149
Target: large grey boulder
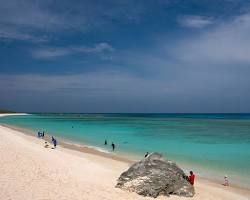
154, 175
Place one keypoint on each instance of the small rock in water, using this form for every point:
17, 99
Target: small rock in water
154, 175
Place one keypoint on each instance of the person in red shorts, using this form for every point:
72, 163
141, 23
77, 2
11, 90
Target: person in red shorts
191, 178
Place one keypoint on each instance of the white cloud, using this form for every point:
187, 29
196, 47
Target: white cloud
21, 20
50, 53
94, 82
28, 18
195, 21
53, 52
118, 91
226, 43
98, 48
10, 33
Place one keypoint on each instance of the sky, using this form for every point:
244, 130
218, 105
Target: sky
167, 56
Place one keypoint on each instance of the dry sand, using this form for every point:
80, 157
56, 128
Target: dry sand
31, 172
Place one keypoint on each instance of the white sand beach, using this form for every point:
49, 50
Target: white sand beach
10, 114
31, 172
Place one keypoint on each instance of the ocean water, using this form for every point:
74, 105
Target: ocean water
212, 145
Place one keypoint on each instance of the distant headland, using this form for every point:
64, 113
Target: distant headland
6, 111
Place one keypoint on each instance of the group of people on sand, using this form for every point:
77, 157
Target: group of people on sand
53, 141
40, 134
112, 144
191, 179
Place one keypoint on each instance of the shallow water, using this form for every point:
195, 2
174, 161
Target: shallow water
210, 144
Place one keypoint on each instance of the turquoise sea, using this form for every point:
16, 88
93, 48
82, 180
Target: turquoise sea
212, 145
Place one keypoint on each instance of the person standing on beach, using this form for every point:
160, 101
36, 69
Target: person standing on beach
191, 178
113, 146
105, 142
54, 143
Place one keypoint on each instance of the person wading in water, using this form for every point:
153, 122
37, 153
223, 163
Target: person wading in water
113, 146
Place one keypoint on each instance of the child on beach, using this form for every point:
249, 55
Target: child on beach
226, 182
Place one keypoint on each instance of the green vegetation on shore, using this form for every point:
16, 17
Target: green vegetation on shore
6, 111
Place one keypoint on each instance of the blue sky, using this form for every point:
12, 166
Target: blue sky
125, 56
